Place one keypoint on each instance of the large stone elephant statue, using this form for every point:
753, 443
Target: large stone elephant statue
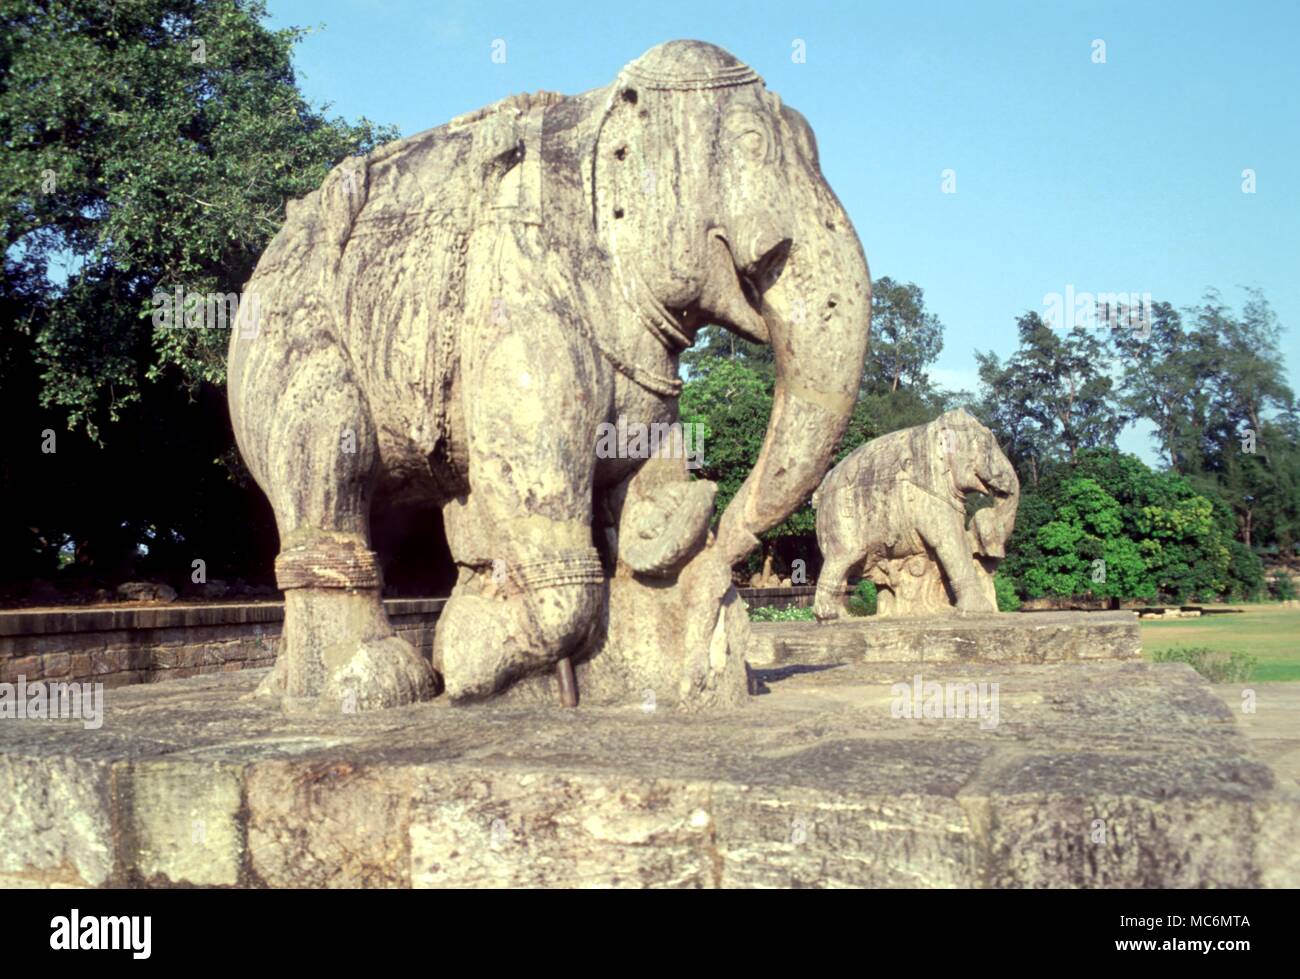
458, 319
894, 509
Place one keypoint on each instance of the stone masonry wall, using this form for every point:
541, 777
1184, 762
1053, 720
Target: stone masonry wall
795, 596
145, 644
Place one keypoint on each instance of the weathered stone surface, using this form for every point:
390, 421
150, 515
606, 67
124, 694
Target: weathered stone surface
1094, 774
1269, 713
894, 509
1037, 637
460, 318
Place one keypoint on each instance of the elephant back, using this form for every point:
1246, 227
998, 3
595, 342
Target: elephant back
875, 463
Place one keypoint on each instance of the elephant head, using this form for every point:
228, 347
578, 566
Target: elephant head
975, 464
708, 194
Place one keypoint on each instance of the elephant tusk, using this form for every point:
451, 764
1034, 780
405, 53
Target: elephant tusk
568, 682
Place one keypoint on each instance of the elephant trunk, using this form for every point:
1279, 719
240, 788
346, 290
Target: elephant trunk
817, 313
1001, 479
1003, 482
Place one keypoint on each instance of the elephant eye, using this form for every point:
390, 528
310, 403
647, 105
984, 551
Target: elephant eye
753, 141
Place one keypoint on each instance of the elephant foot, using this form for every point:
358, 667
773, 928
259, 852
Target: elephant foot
375, 675
273, 685
481, 647
338, 654
474, 649
493, 633
828, 603
380, 673
977, 605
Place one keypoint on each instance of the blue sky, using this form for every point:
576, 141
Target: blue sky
1117, 177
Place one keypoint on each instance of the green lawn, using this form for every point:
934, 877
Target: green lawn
1270, 633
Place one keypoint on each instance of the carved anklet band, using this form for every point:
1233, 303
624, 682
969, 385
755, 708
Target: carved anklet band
582, 568
326, 564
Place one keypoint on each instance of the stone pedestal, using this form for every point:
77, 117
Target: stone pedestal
1082, 774
1039, 637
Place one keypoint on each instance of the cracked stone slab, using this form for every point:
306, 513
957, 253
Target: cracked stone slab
1113, 774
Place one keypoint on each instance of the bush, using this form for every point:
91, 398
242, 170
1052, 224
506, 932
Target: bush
1280, 587
863, 599
766, 613
1008, 600
1111, 527
1245, 573
1213, 664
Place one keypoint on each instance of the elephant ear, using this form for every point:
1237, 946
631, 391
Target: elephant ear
634, 173
801, 134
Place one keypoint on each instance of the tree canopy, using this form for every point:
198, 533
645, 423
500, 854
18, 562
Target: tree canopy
148, 146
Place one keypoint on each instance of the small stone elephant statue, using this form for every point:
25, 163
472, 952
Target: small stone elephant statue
895, 510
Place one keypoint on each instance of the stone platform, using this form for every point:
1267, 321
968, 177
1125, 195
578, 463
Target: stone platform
1108, 774
1031, 637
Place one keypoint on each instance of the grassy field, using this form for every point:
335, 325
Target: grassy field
1270, 633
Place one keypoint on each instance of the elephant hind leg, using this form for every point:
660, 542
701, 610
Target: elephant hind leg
307, 432
828, 603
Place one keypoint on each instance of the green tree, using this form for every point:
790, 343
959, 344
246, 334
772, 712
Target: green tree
1111, 507
1163, 382
1084, 550
1052, 398
149, 145
732, 402
715, 343
905, 338
1223, 413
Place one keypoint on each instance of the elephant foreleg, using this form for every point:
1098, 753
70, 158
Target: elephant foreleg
531, 583
840, 537
951, 546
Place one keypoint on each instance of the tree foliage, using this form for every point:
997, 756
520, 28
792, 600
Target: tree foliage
905, 337
1053, 396
1152, 533
1212, 382
148, 146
